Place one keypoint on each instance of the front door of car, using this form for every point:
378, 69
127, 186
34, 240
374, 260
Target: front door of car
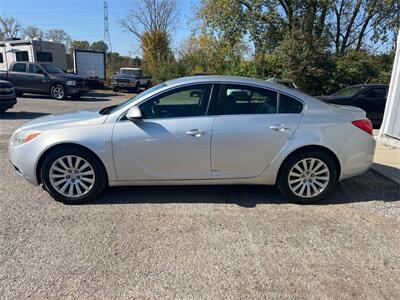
36, 78
170, 141
251, 129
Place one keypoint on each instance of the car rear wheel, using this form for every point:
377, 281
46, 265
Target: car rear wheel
58, 92
72, 175
137, 88
307, 177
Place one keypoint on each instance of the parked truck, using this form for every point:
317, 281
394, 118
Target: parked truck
91, 65
44, 79
130, 78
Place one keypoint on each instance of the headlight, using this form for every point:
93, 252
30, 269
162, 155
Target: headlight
21, 137
71, 82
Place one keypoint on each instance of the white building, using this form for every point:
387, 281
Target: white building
391, 119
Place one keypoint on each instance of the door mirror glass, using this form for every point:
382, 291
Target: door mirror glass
134, 114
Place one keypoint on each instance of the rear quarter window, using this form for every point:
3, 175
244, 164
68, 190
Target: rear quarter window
289, 105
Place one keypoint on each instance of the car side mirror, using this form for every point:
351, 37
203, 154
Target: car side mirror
134, 114
360, 97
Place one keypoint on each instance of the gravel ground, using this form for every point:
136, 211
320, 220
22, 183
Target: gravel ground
194, 242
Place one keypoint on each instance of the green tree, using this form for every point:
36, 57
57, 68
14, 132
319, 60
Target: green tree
99, 45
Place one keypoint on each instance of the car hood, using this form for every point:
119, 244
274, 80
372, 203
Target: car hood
66, 120
67, 76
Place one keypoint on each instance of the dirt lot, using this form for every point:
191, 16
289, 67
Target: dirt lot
193, 242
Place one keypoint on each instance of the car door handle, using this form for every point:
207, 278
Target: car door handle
195, 132
279, 127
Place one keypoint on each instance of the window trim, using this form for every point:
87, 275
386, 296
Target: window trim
222, 98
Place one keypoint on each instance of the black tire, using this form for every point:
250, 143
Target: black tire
58, 92
100, 176
137, 88
283, 176
146, 87
115, 88
19, 93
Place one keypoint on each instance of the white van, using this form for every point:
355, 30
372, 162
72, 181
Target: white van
32, 51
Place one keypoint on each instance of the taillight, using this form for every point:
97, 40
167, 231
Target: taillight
364, 124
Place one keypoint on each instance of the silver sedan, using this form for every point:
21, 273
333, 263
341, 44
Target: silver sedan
198, 130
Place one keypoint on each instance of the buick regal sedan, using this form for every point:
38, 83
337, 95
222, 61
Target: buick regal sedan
198, 130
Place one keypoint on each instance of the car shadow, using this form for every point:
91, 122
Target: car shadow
24, 115
368, 187
89, 97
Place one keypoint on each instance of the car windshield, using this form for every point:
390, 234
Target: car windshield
52, 69
130, 72
111, 109
348, 91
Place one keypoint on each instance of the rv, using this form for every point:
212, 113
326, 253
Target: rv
35, 51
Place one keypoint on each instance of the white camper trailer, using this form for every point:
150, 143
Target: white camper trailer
32, 51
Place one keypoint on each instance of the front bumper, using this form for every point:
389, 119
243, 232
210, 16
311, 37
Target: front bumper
73, 90
23, 164
123, 84
7, 102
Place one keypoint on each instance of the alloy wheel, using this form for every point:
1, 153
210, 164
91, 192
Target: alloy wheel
309, 177
58, 92
72, 176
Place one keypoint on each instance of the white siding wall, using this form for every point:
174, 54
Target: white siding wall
391, 120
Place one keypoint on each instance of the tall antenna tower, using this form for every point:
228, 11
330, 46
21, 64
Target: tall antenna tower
106, 36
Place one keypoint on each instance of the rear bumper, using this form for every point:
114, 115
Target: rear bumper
357, 155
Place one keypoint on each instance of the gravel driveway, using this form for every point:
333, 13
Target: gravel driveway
194, 242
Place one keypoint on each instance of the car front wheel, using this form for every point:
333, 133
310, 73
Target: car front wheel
58, 92
73, 175
307, 177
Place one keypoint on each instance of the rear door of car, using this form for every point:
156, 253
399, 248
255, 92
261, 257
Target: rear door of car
18, 75
251, 127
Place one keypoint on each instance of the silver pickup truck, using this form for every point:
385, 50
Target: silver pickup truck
130, 79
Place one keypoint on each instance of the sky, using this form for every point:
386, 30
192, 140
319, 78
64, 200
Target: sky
83, 19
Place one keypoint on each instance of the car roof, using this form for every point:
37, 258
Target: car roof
370, 85
310, 101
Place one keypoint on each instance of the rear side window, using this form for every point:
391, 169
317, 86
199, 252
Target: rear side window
1, 58
44, 56
376, 93
33, 68
248, 100
21, 56
289, 105
19, 68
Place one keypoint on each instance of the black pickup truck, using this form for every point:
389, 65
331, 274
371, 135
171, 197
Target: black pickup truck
44, 79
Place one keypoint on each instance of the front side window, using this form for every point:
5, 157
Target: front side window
181, 102
52, 69
248, 100
19, 68
21, 56
33, 68
44, 56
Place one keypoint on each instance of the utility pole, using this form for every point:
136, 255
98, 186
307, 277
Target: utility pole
106, 36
